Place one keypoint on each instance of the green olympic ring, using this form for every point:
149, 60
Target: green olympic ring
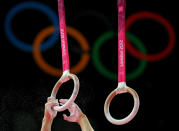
107, 73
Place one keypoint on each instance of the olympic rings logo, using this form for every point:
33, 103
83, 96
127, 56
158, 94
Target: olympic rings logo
39, 46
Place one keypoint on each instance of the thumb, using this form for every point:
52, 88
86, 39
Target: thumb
65, 117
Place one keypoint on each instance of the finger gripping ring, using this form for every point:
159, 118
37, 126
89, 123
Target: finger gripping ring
65, 77
117, 91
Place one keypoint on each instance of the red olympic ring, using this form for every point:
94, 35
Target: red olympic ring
150, 15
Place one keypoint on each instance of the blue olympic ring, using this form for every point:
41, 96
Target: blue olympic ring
31, 5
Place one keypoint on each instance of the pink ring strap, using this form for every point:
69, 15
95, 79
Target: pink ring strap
65, 60
121, 41
63, 35
122, 87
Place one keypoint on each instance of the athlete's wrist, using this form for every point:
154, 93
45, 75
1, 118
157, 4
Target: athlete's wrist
47, 120
81, 118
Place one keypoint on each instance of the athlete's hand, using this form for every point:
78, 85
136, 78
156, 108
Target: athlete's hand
75, 112
50, 113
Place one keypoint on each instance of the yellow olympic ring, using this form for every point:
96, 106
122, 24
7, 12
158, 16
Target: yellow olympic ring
52, 70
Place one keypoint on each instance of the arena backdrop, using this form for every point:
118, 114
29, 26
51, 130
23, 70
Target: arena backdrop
151, 62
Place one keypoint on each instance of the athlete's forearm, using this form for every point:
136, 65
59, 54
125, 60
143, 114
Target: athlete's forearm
46, 124
85, 124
